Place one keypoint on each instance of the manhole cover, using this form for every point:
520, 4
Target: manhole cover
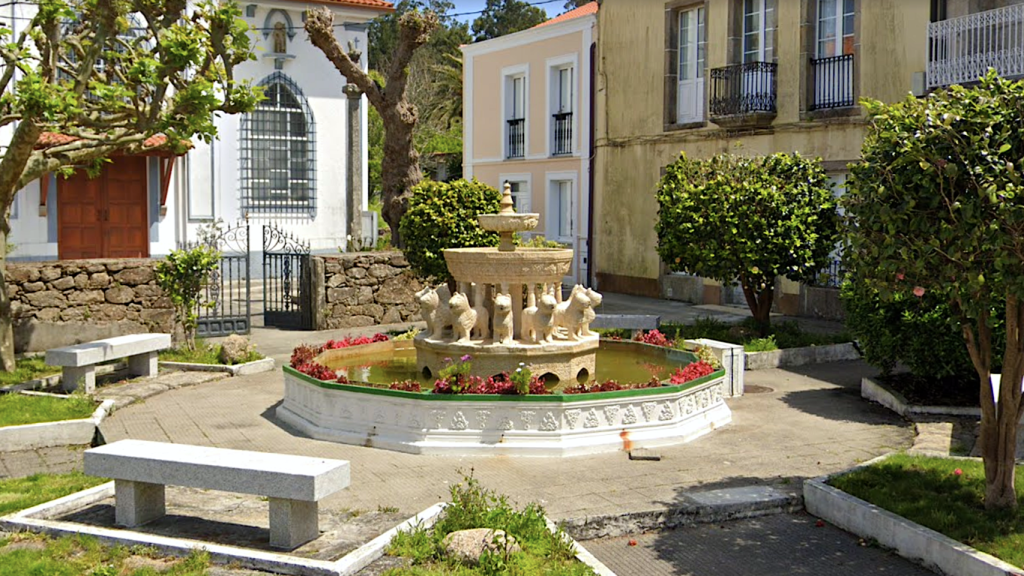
755, 389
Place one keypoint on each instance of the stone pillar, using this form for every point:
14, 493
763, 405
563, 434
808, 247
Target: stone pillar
354, 163
517, 311
145, 364
292, 523
136, 503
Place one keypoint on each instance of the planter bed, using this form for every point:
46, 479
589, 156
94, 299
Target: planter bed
878, 391
909, 539
801, 356
60, 433
254, 367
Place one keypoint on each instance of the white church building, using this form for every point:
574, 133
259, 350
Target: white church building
286, 163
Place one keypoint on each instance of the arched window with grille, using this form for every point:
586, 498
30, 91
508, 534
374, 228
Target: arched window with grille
278, 151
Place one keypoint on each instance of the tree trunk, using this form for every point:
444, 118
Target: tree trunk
7, 363
760, 304
403, 171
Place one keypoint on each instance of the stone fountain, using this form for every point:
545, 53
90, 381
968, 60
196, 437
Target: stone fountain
508, 308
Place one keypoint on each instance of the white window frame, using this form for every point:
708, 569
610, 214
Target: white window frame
507, 75
839, 15
554, 65
761, 8
553, 216
699, 61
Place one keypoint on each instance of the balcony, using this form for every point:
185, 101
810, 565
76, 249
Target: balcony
962, 49
832, 82
743, 95
516, 138
562, 144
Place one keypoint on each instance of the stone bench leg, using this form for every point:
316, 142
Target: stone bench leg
136, 503
75, 376
292, 523
145, 364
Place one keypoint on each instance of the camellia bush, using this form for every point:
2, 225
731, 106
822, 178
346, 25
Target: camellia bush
183, 275
936, 207
750, 220
443, 215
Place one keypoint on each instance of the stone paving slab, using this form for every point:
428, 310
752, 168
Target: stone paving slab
777, 545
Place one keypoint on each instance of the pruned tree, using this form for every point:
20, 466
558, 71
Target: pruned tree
401, 169
730, 218
936, 207
108, 76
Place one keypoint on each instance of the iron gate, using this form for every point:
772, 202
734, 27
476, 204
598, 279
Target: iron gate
225, 303
287, 301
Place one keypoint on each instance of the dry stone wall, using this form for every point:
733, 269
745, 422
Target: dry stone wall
368, 288
69, 301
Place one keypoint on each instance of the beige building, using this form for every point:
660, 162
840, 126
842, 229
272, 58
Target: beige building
757, 77
527, 121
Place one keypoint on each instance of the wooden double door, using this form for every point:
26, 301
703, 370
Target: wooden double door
105, 216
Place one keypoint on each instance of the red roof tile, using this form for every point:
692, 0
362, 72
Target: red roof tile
585, 10
48, 139
372, 4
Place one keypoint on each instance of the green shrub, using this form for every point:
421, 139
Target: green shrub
443, 215
182, 275
921, 333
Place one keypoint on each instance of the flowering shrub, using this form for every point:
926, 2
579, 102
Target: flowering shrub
318, 371
355, 341
501, 384
406, 386
455, 375
706, 355
692, 371
303, 354
655, 338
611, 386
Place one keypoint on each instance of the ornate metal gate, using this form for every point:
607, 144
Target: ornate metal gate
287, 300
226, 304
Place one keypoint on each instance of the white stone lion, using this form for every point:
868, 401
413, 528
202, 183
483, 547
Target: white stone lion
538, 325
595, 298
483, 316
434, 309
463, 317
503, 319
569, 314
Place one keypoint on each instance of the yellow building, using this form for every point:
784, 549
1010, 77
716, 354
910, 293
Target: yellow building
757, 77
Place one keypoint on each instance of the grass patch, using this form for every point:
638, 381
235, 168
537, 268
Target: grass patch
927, 490
85, 556
205, 353
27, 369
17, 409
781, 335
543, 553
20, 493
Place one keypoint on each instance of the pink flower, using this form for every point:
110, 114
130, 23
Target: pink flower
899, 276
918, 291
958, 472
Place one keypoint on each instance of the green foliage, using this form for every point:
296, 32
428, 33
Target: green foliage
930, 492
18, 409
27, 369
750, 219
521, 378
922, 333
766, 344
539, 241
85, 556
375, 147
443, 215
204, 353
182, 275
501, 17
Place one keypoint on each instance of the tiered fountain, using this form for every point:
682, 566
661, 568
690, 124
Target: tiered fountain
506, 309
497, 327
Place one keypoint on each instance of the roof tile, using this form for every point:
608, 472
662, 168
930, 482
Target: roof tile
585, 10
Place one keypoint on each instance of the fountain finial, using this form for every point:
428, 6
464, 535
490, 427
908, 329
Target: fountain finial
507, 206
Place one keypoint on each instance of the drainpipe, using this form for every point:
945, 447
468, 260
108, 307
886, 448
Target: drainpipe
590, 167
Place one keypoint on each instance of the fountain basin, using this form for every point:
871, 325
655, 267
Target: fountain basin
523, 266
534, 425
508, 222
566, 360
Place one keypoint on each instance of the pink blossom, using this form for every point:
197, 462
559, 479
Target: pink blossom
899, 276
918, 291
958, 472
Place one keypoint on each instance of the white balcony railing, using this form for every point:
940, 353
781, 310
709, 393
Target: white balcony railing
962, 49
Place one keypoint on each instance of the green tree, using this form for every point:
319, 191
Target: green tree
443, 215
182, 276
501, 17
110, 75
937, 206
749, 219
400, 169
375, 145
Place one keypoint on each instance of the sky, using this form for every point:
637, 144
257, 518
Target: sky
553, 8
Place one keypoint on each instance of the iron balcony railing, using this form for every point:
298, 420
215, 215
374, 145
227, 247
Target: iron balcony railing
833, 82
517, 138
831, 276
962, 49
563, 134
743, 89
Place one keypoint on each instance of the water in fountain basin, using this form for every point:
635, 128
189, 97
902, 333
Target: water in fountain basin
613, 363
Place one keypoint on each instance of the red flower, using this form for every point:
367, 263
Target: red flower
632, 542
958, 472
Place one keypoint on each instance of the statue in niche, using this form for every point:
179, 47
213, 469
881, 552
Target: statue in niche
280, 36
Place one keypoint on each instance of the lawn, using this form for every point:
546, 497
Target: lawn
20, 493
204, 353
16, 409
543, 553
27, 369
931, 492
781, 334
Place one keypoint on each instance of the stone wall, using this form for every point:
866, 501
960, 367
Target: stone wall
364, 289
65, 302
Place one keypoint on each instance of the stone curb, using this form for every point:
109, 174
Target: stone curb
61, 433
581, 553
254, 367
45, 382
877, 391
801, 356
909, 539
704, 508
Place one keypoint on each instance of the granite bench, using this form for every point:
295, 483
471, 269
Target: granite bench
293, 484
634, 322
79, 361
